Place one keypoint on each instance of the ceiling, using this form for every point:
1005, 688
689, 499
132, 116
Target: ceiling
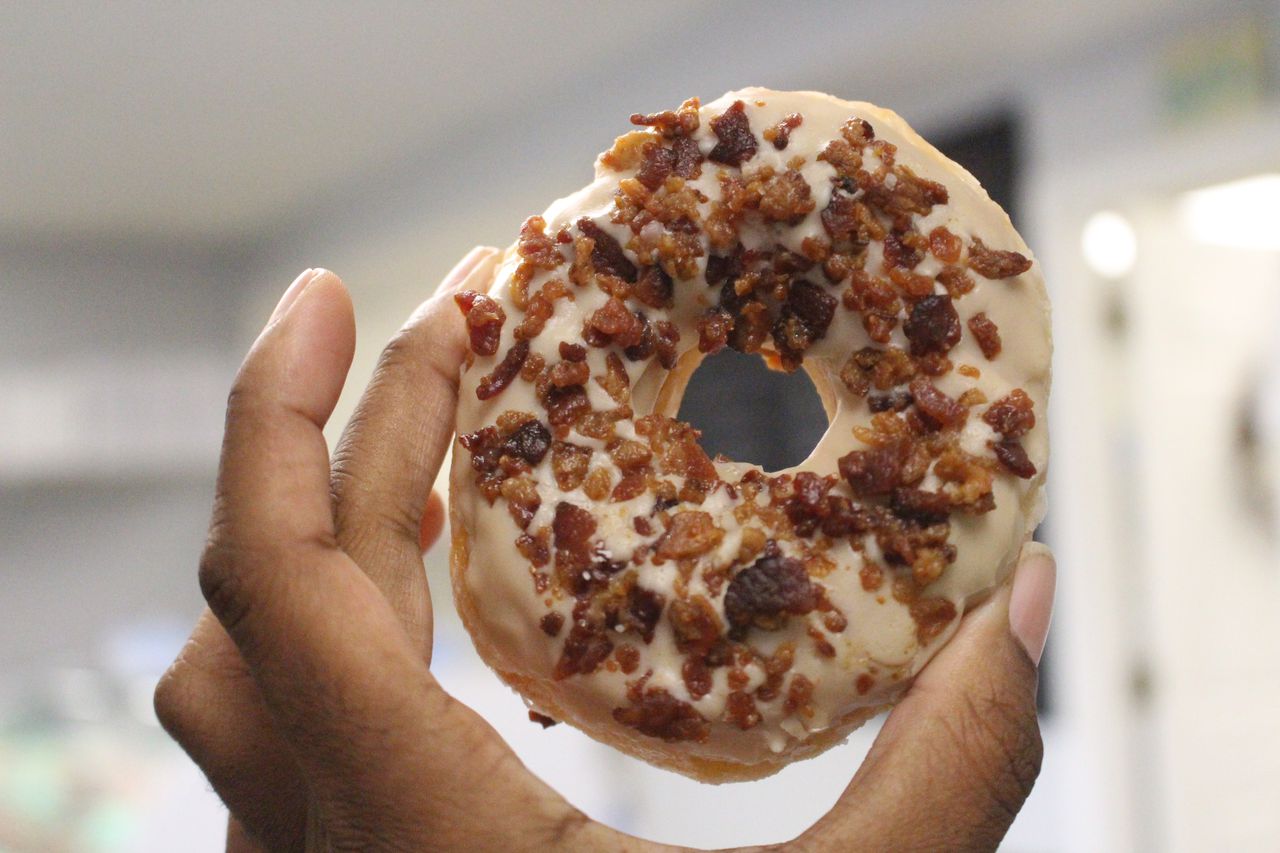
207, 122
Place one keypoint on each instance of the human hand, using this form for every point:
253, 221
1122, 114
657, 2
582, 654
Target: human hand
305, 692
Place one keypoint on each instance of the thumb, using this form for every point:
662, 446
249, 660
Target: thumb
959, 754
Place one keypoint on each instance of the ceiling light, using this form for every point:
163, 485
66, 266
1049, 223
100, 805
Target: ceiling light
1242, 214
1109, 244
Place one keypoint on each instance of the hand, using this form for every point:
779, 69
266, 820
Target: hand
305, 692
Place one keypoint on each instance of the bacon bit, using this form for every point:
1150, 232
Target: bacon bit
956, 281
625, 154
657, 713
628, 454
551, 624
878, 302
1013, 415
800, 693
615, 320
632, 485
931, 615
666, 337
535, 549
872, 472
569, 463
566, 405
987, 335
691, 534
697, 678
615, 381
913, 285
919, 505
484, 320
804, 320
858, 131
740, 709
780, 133
910, 194
672, 123
713, 331
628, 658
938, 409
675, 444
568, 373
871, 576
585, 649
537, 312
933, 327
688, 158
572, 352
532, 368
764, 593
945, 245
1014, 457
571, 531
899, 253
528, 442
864, 683
696, 626
656, 164
607, 255
542, 720
522, 499
736, 142
536, 247
496, 382
967, 481
597, 485
972, 396
994, 263
654, 288
786, 198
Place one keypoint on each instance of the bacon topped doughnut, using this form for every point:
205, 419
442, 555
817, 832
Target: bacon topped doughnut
703, 614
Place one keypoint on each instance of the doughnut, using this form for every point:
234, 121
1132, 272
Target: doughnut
703, 614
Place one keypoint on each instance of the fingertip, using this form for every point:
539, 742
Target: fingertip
313, 336
1031, 599
432, 521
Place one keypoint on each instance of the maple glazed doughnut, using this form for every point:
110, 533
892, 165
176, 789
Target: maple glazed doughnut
705, 615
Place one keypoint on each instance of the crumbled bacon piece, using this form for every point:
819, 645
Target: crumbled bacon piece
666, 336
615, 320
898, 251
571, 530
566, 405
995, 263
632, 485
496, 382
568, 373
920, 505
656, 164
763, 594
872, 472
628, 454
607, 255
628, 657
569, 464
657, 713
986, 333
940, 411
910, 194
542, 719
654, 287
677, 123
871, 576
688, 158
932, 616
945, 245
956, 281
691, 534
1013, 415
675, 445
536, 247
1013, 456
800, 693
740, 709
878, 302
597, 485
484, 320
780, 133
713, 331
933, 326
551, 624
696, 625
736, 143
804, 319
786, 198
697, 678
585, 649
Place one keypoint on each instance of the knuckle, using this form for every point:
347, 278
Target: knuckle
220, 582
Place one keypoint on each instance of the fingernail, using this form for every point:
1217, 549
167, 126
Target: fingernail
294, 290
1031, 602
465, 266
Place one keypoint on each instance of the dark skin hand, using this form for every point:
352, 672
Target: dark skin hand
305, 692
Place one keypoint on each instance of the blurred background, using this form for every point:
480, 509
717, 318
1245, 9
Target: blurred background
166, 169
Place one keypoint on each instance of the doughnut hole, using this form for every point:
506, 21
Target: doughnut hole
753, 414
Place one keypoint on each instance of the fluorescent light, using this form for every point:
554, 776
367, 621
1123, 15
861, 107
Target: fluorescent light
1242, 214
1109, 244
